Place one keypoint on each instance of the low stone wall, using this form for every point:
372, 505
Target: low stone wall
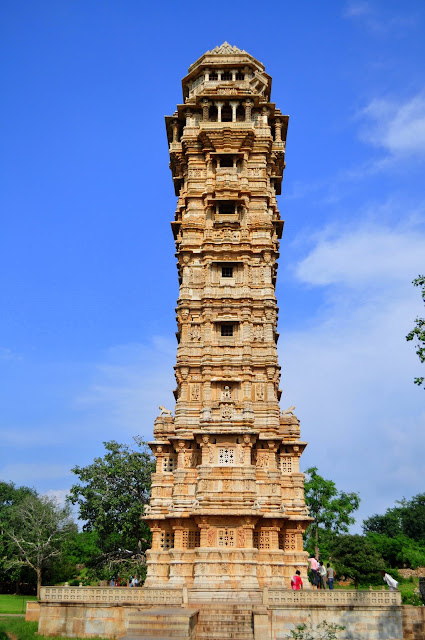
104, 611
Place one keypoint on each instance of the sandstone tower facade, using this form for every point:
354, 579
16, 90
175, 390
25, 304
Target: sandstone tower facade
227, 506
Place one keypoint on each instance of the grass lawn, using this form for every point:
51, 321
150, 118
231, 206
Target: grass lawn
24, 630
14, 604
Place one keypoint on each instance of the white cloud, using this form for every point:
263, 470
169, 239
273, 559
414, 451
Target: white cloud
349, 369
355, 9
370, 254
380, 20
397, 127
60, 495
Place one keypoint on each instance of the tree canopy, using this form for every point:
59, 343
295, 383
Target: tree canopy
355, 557
417, 334
36, 528
330, 508
111, 496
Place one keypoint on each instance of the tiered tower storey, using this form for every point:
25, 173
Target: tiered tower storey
227, 506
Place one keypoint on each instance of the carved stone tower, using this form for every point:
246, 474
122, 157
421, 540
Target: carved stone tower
227, 506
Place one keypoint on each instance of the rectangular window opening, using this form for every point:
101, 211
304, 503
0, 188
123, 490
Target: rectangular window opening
226, 271
226, 330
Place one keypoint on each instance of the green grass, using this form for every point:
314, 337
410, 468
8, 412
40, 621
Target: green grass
24, 630
14, 604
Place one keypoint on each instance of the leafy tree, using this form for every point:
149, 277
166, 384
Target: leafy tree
111, 499
36, 528
413, 517
330, 508
389, 524
407, 518
10, 496
323, 631
418, 331
355, 557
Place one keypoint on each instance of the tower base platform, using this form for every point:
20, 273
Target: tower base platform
197, 614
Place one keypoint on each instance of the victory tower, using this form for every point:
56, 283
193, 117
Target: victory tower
227, 506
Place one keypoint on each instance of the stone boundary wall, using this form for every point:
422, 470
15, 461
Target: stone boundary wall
104, 611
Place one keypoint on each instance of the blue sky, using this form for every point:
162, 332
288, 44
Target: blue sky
88, 283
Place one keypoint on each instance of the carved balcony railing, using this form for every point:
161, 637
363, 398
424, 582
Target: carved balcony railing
112, 595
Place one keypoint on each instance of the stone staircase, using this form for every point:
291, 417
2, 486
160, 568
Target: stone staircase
225, 622
165, 623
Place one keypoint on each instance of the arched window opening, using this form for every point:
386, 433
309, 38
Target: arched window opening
226, 76
213, 76
240, 76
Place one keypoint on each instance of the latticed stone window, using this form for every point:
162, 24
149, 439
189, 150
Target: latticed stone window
169, 463
261, 539
191, 539
226, 457
286, 464
290, 542
194, 539
167, 540
226, 537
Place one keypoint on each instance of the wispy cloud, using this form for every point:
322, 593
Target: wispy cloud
379, 20
364, 255
397, 127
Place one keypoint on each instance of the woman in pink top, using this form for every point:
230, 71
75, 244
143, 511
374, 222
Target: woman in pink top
296, 582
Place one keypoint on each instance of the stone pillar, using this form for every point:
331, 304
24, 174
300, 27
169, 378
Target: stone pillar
248, 104
265, 113
205, 110
159, 453
181, 448
188, 114
156, 536
207, 75
278, 130
233, 72
178, 536
205, 449
175, 125
234, 104
219, 106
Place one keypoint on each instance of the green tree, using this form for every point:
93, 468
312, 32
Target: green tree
389, 524
413, 517
355, 557
418, 332
10, 496
330, 508
399, 551
37, 528
111, 497
407, 518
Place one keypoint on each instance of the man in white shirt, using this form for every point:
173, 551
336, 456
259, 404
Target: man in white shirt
392, 584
